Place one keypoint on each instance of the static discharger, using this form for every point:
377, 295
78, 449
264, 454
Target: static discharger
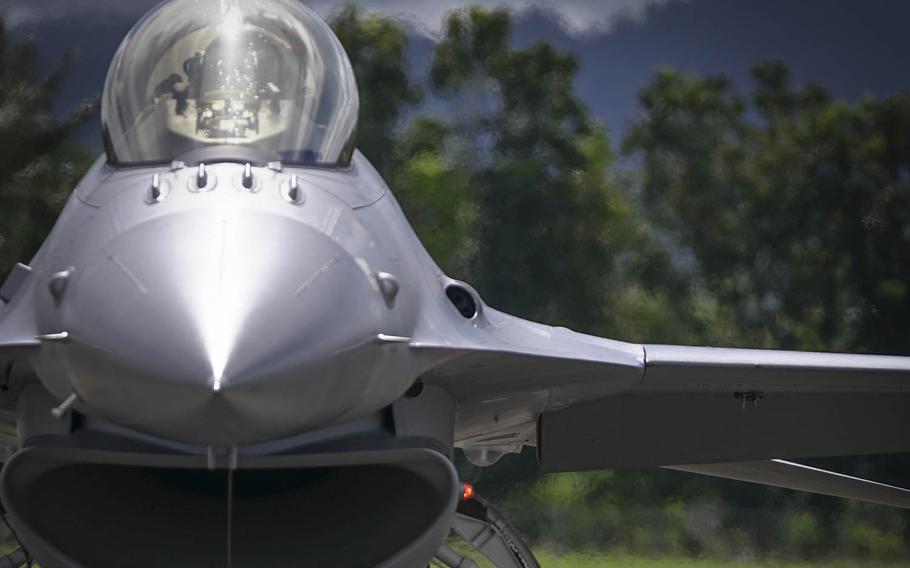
294, 193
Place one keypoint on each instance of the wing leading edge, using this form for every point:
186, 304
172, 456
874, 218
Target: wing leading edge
678, 369
503, 372
589, 403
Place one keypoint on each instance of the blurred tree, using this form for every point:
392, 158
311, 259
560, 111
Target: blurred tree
413, 157
377, 48
38, 165
794, 206
437, 194
556, 235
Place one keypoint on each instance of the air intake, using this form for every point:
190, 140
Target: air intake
378, 508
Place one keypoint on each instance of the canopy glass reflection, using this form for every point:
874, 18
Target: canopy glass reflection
265, 79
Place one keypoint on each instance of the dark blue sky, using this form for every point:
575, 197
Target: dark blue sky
852, 47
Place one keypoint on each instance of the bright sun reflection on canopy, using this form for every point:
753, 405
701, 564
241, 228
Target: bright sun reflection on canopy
233, 21
267, 77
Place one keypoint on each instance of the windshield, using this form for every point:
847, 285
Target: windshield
265, 79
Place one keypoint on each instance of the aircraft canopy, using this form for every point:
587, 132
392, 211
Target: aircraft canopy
262, 80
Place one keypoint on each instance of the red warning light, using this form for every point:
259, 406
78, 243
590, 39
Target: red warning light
467, 492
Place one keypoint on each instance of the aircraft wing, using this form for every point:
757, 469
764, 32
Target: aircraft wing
590, 403
504, 372
702, 405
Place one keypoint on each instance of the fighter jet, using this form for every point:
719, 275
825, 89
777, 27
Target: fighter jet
233, 350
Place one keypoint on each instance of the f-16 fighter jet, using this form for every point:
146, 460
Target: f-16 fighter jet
233, 350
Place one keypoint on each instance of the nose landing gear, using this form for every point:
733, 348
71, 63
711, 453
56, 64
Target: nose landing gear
488, 532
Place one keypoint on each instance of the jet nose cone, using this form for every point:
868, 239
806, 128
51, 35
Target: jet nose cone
221, 332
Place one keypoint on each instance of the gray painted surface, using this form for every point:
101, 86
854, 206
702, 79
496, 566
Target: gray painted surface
673, 368
647, 430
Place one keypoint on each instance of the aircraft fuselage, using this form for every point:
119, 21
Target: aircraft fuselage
179, 302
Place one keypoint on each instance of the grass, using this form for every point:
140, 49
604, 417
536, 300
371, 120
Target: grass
581, 560
550, 559
591, 560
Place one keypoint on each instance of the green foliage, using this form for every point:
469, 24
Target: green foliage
582, 560
377, 49
864, 540
793, 206
802, 532
554, 228
562, 559
38, 165
438, 195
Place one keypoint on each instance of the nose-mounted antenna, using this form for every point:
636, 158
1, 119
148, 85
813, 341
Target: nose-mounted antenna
156, 188
157, 191
202, 177
248, 176
295, 194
